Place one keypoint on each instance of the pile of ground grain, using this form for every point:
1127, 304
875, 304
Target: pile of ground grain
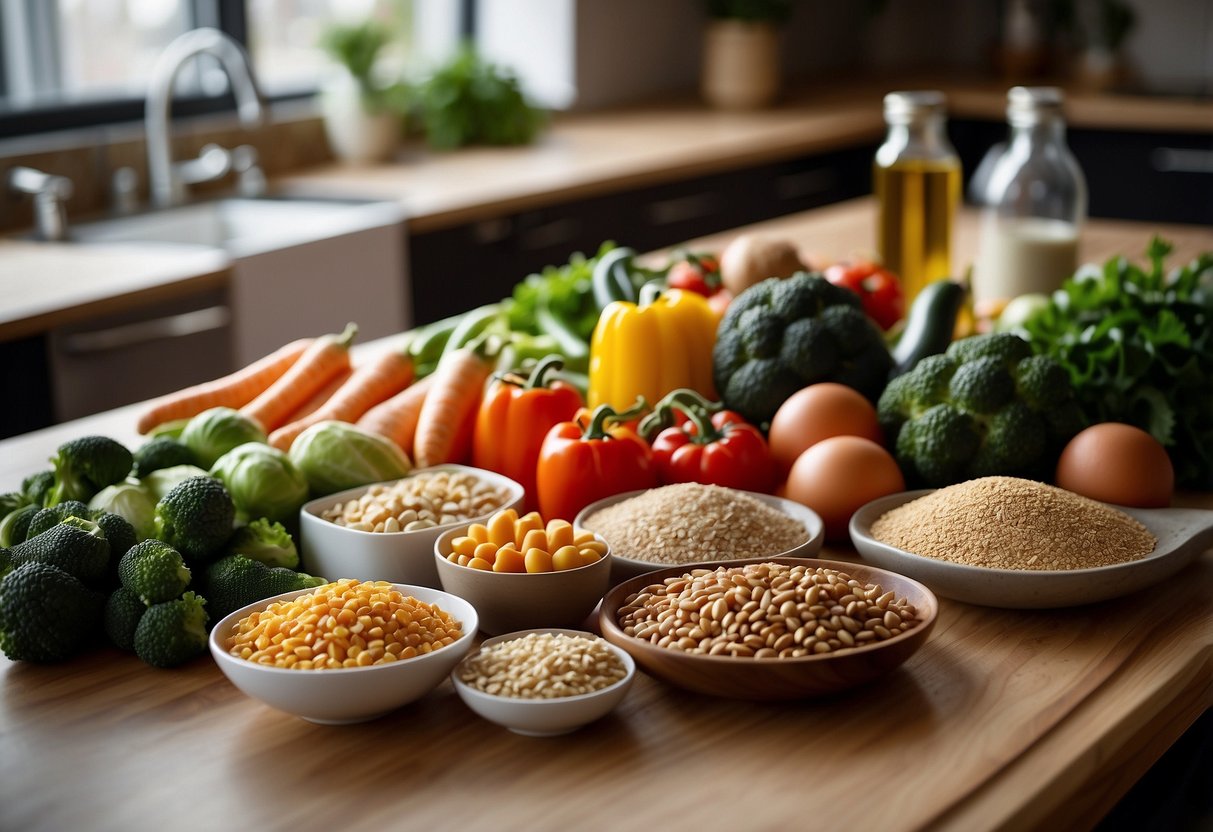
691, 523
1010, 523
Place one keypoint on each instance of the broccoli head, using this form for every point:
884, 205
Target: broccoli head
236, 581
15, 525
196, 517
162, 452
76, 546
266, 541
6, 562
985, 407
12, 501
172, 633
37, 486
154, 571
46, 614
86, 465
52, 516
779, 336
123, 610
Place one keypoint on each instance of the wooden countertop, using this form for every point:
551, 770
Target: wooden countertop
1005, 719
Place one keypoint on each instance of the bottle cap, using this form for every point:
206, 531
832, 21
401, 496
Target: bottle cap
1029, 105
904, 106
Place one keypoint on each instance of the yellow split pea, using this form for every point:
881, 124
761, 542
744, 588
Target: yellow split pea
509, 543
347, 623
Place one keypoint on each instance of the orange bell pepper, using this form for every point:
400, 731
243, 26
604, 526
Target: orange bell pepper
579, 464
515, 416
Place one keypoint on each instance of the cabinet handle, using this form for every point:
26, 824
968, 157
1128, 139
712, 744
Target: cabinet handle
555, 233
1181, 160
98, 341
683, 208
804, 183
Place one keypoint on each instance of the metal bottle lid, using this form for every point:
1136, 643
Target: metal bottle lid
905, 106
1031, 105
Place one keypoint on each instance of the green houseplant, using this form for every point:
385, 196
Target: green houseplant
362, 119
741, 52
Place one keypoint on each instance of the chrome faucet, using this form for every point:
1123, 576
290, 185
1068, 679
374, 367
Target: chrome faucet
50, 192
167, 179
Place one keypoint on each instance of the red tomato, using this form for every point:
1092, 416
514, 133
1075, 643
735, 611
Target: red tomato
879, 289
698, 273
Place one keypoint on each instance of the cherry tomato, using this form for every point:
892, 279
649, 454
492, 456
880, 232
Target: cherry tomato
878, 288
698, 273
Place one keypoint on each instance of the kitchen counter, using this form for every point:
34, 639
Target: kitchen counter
1005, 719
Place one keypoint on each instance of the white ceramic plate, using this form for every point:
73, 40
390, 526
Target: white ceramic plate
1183, 534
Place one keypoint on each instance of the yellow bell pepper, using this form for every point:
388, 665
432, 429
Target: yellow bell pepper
649, 349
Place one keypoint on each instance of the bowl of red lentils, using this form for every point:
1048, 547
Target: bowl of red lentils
386, 531
545, 682
348, 651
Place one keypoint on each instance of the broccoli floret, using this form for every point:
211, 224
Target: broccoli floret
119, 533
46, 614
15, 525
76, 546
763, 385
945, 439
196, 517
809, 349
162, 452
12, 501
929, 383
6, 562
86, 465
1041, 382
154, 571
172, 633
36, 486
236, 581
48, 518
1007, 347
266, 541
1016, 440
981, 386
123, 611
893, 408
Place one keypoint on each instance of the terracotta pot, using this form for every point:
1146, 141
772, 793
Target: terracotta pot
356, 135
740, 64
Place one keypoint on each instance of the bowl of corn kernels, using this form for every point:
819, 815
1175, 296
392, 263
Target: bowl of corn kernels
521, 572
349, 651
386, 531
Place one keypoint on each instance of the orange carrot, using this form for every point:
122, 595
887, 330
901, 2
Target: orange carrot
322, 395
396, 418
325, 358
444, 426
234, 390
369, 384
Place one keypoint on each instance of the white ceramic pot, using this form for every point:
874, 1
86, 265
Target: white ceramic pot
740, 64
355, 135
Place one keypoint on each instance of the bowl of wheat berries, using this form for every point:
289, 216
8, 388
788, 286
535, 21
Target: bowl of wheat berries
769, 628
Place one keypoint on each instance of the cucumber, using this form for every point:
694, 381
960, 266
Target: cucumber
929, 325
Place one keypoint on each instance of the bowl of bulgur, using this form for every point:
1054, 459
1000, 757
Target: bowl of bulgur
386, 531
689, 523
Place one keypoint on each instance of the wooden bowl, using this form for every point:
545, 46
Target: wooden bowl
771, 679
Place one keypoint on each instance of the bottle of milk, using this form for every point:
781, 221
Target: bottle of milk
1035, 201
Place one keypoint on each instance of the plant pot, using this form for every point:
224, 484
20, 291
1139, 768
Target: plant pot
740, 64
354, 134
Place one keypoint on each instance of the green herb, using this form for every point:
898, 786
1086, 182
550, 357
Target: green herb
357, 47
469, 101
564, 290
1138, 346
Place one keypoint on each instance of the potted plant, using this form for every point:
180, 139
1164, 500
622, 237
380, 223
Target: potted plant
741, 52
361, 118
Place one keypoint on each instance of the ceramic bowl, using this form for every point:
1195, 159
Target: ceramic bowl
773, 679
545, 717
508, 601
356, 694
625, 568
337, 552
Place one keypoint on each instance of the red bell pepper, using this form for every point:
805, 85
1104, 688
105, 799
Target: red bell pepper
515, 416
701, 442
580, 463
879, 289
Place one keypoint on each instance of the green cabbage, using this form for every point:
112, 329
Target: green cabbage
163, 481
214, 432
263, 481
134, 502
335, 456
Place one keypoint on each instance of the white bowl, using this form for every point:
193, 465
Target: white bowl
547, 717
336, 552
624, 568
346, 695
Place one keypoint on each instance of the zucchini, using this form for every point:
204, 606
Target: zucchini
929, 324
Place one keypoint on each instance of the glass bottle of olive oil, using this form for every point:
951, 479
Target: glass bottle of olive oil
916, 178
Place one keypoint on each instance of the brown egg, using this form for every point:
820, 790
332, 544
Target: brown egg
838, 475
1116, 463
818, 412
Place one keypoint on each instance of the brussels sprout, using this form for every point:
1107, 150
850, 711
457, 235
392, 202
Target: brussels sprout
335, 456
133, 502
163, 481
214, 432
263, 481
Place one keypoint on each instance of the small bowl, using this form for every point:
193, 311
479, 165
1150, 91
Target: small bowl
509, 601
347, 695
624, 568
773, 679
400, 557
546, 717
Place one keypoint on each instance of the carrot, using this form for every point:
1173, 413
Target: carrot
322, 395
369, 384
444, 426
234, 390
325, 358
396, 418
